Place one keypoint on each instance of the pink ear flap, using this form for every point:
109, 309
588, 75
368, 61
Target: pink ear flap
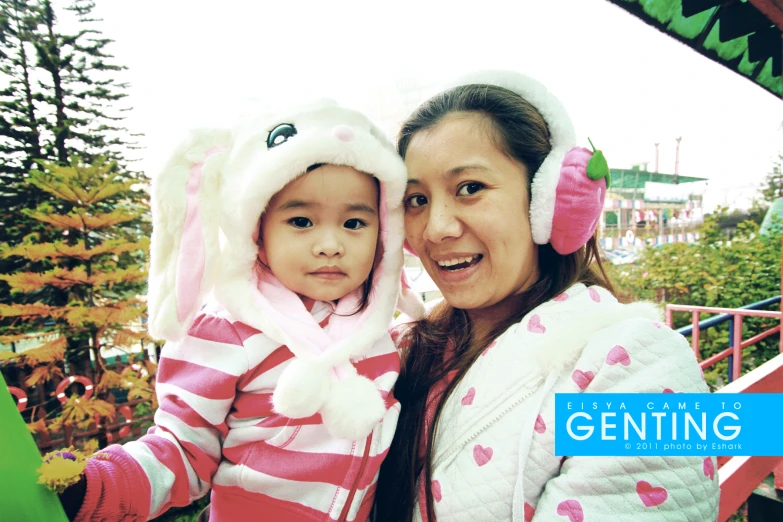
578, 204
185, 244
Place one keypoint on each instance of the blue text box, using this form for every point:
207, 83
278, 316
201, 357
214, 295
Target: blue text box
668, 424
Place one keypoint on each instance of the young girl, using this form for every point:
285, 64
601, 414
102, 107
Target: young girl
277, 394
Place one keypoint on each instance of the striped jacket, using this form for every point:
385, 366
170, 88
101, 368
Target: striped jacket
215, 428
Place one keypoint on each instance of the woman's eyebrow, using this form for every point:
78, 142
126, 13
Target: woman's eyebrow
451, 173
456, 171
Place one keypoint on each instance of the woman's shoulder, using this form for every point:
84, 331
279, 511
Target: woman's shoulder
584, 324
640, 354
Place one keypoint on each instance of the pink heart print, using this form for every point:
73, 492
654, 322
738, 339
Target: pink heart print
481, 454
582, 379
594, 294
709, 468
488, 348
572, 509
529, 512
560, 297
618, 355
437, 494
651, 496
668, 390
540, 426
467, 400
535, 326
657, 324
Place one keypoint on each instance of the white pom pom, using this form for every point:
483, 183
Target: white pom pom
353, 408
301, 389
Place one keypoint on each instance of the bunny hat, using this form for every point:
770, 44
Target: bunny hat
219, 181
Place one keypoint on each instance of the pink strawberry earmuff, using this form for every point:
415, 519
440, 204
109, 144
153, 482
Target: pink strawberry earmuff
569, 188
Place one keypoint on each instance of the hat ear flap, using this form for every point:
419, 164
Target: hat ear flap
185, 244
408, 300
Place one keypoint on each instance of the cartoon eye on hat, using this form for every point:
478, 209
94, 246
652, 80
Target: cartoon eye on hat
280, 134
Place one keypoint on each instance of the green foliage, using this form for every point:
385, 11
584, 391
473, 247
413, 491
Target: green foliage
99, 262
60, 98
712, 272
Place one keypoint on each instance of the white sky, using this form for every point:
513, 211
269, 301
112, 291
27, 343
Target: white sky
625, 84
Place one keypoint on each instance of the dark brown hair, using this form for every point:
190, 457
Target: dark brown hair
520, 132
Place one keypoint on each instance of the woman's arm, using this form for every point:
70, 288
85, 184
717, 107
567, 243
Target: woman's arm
634, 356
174, 463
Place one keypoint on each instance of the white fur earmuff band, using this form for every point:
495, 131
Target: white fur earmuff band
565, 203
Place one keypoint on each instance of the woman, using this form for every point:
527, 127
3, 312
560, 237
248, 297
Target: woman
502, 211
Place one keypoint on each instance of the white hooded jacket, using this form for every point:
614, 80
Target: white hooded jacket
494, 454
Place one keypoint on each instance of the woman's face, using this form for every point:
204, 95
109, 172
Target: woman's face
467, 214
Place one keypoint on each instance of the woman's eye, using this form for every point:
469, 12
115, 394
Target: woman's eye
300, 222
415, 201
468, 189
354, 224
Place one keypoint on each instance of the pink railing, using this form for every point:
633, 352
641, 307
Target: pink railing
739, 476
736, 344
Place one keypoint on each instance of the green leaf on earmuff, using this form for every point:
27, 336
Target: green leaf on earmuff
597, 167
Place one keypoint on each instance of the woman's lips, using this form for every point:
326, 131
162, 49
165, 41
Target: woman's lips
457, 276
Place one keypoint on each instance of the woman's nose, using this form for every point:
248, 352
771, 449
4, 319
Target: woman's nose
442, 224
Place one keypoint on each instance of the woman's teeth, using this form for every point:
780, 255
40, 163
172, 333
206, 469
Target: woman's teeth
458, 263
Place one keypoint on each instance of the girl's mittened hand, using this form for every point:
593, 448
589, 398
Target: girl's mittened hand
73, 497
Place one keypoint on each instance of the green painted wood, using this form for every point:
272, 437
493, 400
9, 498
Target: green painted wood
22, 499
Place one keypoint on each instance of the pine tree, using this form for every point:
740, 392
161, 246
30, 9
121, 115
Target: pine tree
80, 89
61, 101
20, 125
103, 271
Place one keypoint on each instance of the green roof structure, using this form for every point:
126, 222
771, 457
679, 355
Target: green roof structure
630, 184
635, 179
738, 34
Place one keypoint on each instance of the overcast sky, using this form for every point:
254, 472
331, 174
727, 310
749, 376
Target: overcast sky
626, 85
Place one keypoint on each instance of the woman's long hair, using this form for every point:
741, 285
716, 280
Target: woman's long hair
521, 133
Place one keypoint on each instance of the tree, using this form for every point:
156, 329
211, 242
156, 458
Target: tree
712, 272
103, 270
80, 89
60, 98
768, 192
20, 126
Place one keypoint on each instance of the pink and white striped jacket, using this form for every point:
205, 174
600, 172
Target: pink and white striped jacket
215, 428
288, 424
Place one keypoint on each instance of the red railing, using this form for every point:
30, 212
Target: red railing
739, 476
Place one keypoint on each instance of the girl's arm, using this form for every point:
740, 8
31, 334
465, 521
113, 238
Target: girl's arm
174, 463
643, 489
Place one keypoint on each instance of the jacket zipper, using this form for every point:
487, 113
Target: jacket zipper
530, 389
349, 501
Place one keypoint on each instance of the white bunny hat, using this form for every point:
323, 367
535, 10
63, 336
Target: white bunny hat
221, 180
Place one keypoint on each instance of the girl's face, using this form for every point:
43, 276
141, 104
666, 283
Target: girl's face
319, 233
466, 215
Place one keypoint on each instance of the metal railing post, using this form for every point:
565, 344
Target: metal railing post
731, 345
